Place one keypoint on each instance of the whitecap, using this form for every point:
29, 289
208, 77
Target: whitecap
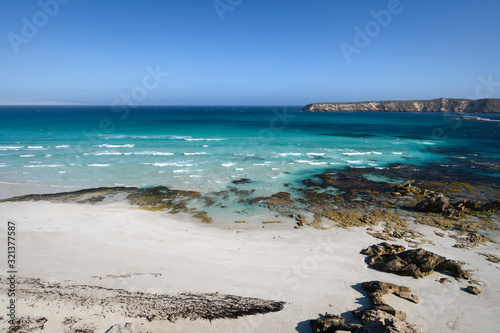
106, 153
356, 153
26, 155
197, 153
227, 164
35, 147
98, 165
43, 166
315, 154
11, 147
290, 154
62, 146
397, 153
128, 145
154, 153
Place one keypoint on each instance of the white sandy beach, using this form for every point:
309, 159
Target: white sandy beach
313, 271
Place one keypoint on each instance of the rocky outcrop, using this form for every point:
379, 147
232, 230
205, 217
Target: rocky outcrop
473, 290
444, 105
380, 317
416, 263
435, 204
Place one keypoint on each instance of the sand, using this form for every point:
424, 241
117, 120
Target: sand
314, 271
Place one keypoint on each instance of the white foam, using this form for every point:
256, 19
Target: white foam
11, 147
397, 153
376, 153
154, 153
356, 153
106, 153
163, 164
180, 170
315, 154
354, 162
426, 143
98, 165
227, 165
35, 147
43, 166
239, 169
291, 154
26, 155
128, 145
63, 146
197, 153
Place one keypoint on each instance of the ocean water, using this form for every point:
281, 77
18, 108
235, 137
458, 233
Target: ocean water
207, 148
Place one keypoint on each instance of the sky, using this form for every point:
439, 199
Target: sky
242, 52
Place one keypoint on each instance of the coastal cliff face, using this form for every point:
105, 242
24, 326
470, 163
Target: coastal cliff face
445, 105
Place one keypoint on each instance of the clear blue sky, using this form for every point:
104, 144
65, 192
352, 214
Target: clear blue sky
263, 52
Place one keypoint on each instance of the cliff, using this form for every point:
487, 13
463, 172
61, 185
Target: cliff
445, 105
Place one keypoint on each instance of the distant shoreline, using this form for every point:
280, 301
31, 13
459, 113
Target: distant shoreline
441, 105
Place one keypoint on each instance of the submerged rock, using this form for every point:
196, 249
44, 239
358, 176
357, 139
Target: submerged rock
280, 198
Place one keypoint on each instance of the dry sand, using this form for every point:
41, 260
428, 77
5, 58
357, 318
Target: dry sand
313, 271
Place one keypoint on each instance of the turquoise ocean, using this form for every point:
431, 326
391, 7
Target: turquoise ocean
207, 148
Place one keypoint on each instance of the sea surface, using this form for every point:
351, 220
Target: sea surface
207, 148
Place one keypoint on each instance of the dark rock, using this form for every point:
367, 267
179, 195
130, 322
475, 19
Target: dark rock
333, 323
380, 317
377, 321
280, 198
491, 257
473, 290
478, 206
436, 204
404, 187
242, 181
415, 262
